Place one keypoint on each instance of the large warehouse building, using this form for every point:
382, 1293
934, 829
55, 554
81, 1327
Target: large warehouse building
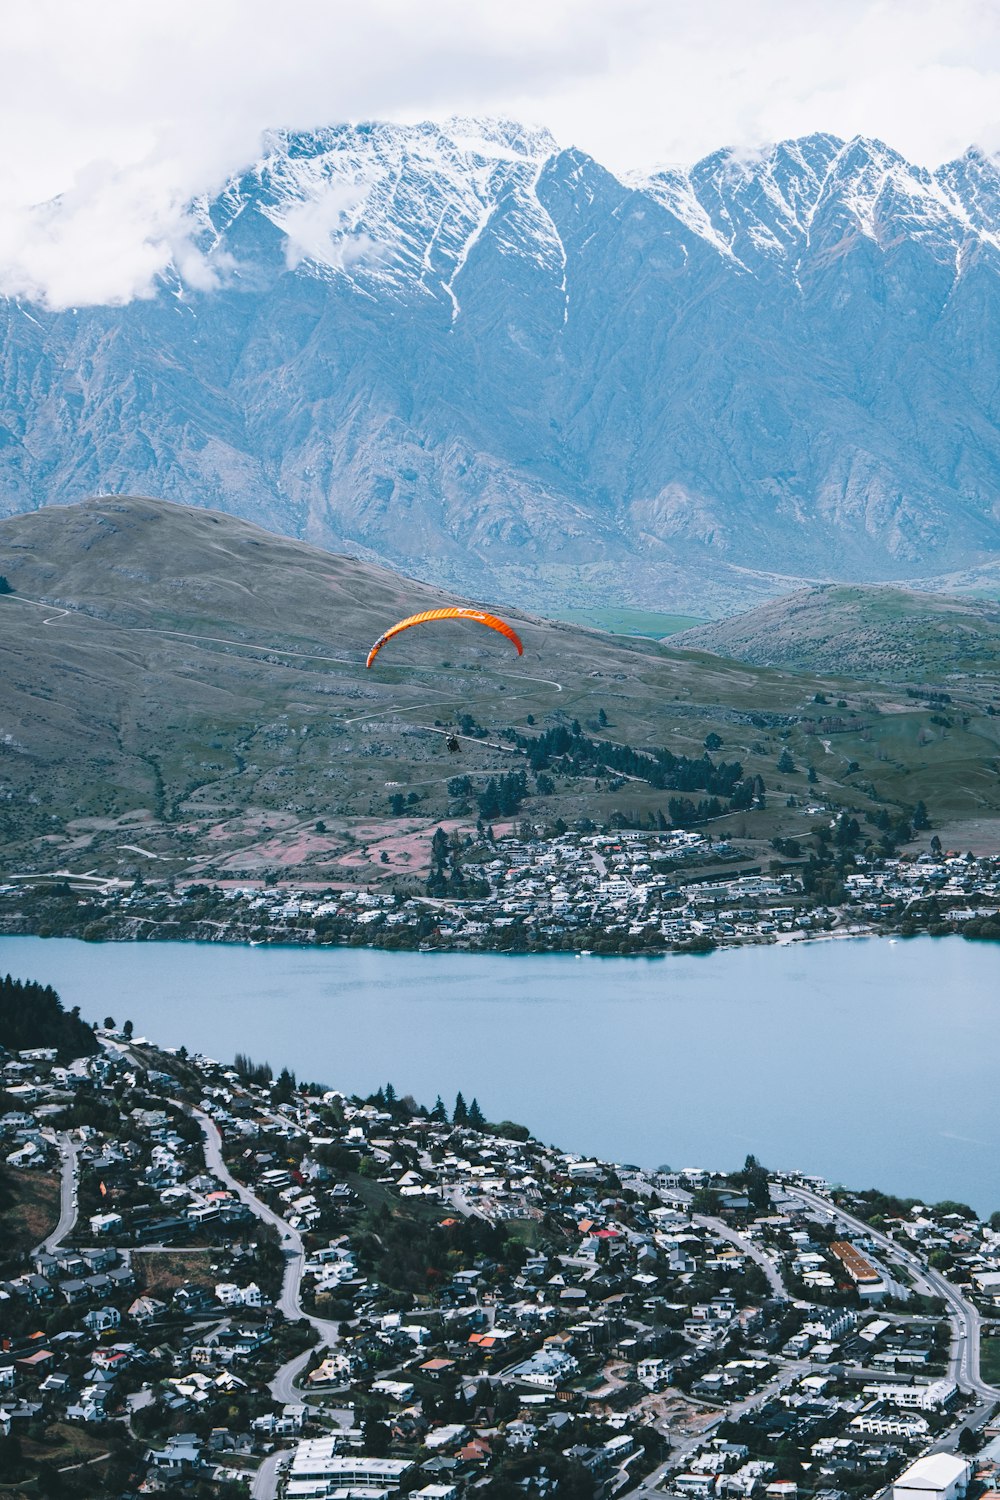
938, 1476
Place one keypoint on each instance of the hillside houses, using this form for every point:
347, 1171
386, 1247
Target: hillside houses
486, 1306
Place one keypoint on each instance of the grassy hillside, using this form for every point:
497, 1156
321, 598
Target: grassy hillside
181, 692
881, 633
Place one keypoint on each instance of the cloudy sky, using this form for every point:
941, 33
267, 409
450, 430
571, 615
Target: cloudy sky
127, 110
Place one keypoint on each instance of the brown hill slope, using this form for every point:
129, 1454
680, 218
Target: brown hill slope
180, 690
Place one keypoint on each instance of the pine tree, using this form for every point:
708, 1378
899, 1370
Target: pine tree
460, 1114
390, 1095
476, 1117
758, 1189
439, 1112
284, 1088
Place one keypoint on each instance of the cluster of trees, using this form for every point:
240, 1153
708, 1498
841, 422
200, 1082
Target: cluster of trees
660, 768
462, 1114
933, 697
5, 587
251, 1072
899, 828
502, 796
875, 1206
684, 813
263, 1074
398, 803
406, 1108
753, 1180
32, 1015
832, 723
985, 927
458, 884
414, 1254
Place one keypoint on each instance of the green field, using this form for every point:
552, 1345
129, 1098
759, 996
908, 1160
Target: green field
645, 622
989, 1360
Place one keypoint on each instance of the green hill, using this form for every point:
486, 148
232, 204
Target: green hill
882, 633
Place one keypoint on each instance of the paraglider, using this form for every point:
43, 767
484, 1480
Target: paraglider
493, 621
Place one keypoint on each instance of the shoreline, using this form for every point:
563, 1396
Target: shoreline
288, 942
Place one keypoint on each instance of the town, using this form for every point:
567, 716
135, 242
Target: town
218, 1281
624, 891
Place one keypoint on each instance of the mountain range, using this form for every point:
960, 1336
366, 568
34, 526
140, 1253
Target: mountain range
460, 350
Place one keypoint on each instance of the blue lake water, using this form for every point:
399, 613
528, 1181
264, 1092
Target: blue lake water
870, 1062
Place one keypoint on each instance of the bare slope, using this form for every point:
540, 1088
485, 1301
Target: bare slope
879, 633
181, 691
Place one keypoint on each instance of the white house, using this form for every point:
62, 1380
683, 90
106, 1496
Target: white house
105, 1223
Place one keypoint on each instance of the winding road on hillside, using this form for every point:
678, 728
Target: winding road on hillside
283, 1384
293, 1249
263, 652
67, 1197
753, 1252
966, 1322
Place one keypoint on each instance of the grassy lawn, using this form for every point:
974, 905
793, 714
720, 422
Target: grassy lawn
29, 1209
163, 1271
989, 1360
647, 622
65, 1444
376, 1195
525, 1231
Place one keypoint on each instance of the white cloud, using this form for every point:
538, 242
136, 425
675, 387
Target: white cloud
317, 229
128, 111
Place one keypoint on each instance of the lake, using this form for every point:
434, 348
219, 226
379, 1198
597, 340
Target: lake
868, 1061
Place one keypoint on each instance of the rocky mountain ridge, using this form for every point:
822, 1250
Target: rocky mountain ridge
461, 350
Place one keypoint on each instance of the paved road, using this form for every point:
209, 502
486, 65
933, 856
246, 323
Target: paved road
67, 1197
966, 1322
283, 1388
754, 1252
265, 1481
99, 1458
291, 1241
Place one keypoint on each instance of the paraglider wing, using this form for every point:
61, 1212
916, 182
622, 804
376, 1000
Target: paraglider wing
493, 621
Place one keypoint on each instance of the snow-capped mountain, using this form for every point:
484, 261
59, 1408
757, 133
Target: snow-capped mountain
492, 362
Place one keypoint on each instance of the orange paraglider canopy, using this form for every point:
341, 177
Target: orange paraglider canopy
493, 621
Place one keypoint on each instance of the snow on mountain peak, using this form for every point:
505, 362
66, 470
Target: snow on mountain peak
399, 208
500, 138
